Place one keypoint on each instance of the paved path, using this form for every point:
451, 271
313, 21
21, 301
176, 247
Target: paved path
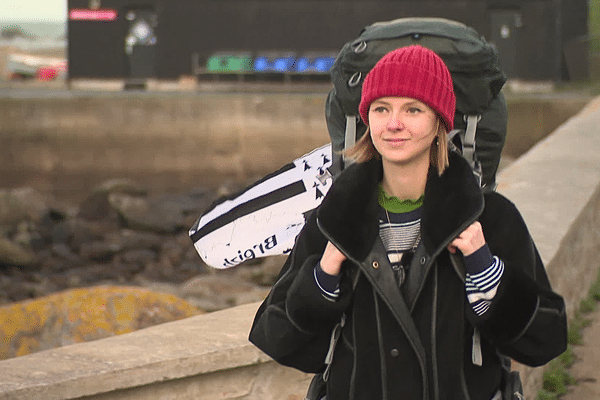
586, 369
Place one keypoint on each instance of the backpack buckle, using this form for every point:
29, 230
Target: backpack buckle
355, 79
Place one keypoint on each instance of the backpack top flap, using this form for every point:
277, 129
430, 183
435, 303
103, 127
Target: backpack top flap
472, 61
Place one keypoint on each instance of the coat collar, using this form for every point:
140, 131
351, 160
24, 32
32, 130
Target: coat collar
348, 215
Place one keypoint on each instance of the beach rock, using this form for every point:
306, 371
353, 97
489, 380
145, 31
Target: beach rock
262, 272
128, 239
92, 274
217, 292
146, 214
99, 251
12, 253
139, 257
123, 186
25, 203
65, 253
80, 315
97, 208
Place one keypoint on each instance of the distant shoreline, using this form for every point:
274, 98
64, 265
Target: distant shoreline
40, 29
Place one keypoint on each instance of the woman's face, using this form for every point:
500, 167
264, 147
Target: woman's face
402, 129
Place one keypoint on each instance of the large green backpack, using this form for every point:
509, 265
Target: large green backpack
481, 114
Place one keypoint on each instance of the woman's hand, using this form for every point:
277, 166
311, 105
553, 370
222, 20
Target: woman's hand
331, 262
469, 241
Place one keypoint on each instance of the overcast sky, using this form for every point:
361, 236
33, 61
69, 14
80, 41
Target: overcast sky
33, 10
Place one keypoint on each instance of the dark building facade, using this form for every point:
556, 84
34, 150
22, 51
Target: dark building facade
166, 39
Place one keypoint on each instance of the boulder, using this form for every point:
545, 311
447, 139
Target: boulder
220, 291
97, 208
12, 253
99, 251
17, 205
147, 214
124, 186
128, 239
81, 315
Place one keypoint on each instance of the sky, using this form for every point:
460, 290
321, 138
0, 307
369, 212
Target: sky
33, 10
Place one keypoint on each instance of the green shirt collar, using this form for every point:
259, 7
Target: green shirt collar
394, 204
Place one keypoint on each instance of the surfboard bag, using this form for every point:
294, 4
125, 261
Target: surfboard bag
265, 218
481, 114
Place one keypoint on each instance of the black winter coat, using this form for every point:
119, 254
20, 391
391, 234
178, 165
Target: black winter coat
416, 342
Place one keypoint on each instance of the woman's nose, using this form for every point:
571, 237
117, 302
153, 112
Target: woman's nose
395, 123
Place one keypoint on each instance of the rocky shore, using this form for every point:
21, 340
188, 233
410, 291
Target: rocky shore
118, 235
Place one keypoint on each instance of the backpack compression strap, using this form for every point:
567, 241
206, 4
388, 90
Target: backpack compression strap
467, 140
469, 146
349, 135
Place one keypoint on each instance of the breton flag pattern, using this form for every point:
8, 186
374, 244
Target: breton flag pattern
265, 218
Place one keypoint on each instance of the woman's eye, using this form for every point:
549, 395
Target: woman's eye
414, 110
379, 109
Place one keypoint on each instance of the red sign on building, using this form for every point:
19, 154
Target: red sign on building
86, 14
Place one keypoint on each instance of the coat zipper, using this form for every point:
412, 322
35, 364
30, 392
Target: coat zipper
434, 365
382, 358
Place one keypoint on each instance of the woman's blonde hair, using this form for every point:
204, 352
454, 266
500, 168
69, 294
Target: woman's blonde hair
364, 150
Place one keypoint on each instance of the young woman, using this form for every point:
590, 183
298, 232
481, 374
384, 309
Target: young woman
429, 282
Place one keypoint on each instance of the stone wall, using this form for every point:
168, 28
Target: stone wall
68, 142
556, 186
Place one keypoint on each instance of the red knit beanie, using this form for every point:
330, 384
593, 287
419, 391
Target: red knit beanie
414, 72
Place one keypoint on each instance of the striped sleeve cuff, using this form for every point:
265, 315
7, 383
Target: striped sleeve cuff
482, 287
328, 284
